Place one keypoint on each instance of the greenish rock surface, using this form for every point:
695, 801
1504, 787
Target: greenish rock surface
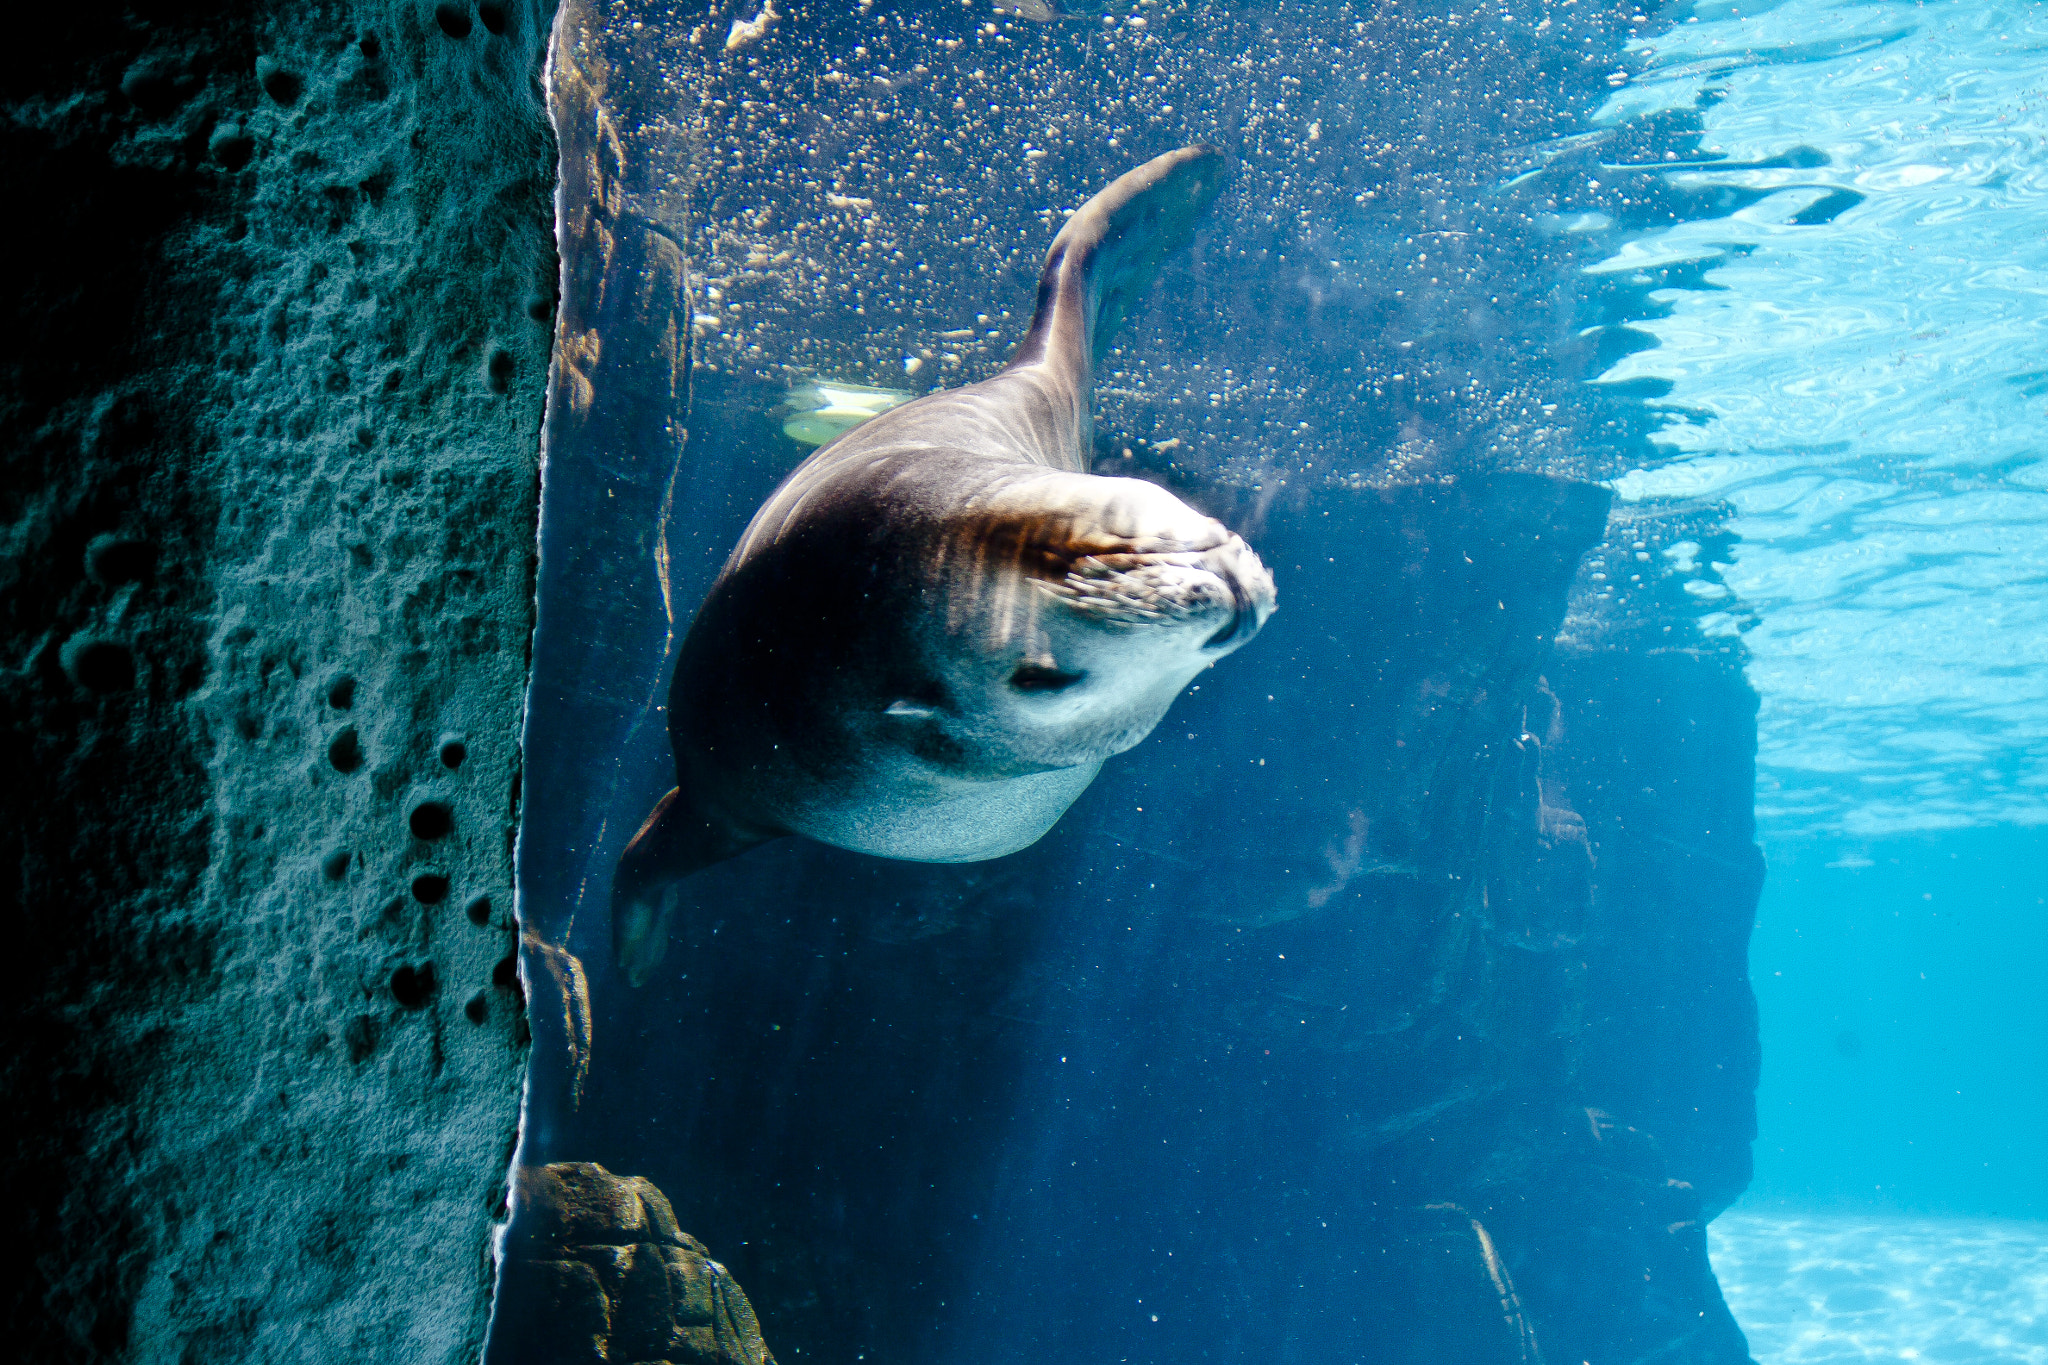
270, 398
596, 1270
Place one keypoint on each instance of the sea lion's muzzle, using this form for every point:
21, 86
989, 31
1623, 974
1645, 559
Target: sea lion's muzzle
1222, 587
1251, 590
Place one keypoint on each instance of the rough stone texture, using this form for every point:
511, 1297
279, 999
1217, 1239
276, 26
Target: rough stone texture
596, 1270
270, 391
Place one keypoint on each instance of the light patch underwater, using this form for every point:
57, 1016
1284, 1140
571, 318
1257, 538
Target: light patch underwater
1851, 1290
827, 408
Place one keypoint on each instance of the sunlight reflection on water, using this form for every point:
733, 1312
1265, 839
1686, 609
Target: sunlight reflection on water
1867, 386
1836, 1290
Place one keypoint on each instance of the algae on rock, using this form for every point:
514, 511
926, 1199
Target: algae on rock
596, 1270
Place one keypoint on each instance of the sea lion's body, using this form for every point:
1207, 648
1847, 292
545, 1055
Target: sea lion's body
937, 629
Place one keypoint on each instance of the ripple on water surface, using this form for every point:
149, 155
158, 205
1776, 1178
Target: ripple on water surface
1864, 378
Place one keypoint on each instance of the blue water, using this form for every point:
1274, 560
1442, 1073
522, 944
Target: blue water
1776, 275
1900, 1205
1868, 394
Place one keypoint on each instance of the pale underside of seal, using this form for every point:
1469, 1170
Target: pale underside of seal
939, 626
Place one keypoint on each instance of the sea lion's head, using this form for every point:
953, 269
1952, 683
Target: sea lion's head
1064, 614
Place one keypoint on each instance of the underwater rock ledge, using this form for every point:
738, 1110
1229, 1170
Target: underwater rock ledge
596, 1270
278, 334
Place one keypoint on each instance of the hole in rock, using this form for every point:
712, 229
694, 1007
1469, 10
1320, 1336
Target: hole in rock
103, 666
341, 694
494, 15
453, 18
114, 560
231, 147
413, 987
478, 1008
430, 888
335, 866
365, 437
432, 820
283, 86
150, 88
361, 1036
345, 751
505, 976
501, 371
479, 910
370, 47
540, 308
453, 751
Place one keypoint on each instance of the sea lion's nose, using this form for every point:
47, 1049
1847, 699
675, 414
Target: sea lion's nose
1251, 588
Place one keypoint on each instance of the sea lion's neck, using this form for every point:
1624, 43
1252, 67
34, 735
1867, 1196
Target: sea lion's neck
1055, 363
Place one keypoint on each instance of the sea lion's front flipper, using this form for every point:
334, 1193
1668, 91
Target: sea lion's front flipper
1109, 253
678, 837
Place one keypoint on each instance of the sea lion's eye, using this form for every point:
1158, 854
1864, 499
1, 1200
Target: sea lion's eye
1039, 678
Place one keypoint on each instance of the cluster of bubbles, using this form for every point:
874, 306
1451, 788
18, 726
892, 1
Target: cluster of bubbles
1391, 288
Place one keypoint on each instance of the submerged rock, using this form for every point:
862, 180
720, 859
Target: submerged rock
596, 1270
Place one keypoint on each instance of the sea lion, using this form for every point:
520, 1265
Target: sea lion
936, 630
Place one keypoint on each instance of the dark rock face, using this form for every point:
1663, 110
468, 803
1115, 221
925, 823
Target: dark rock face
1661, 766
270, 387
598, 1271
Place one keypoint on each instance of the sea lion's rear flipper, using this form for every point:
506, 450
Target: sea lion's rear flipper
1108, 254
677, 838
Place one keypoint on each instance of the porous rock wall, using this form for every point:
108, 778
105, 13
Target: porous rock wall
270, 395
